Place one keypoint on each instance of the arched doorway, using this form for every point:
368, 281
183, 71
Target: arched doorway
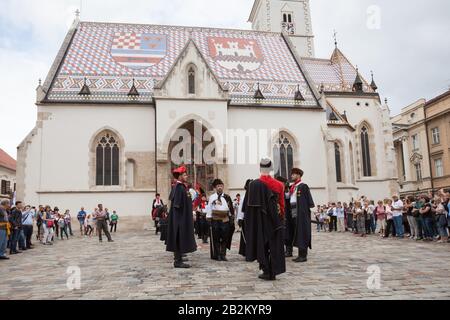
187, 147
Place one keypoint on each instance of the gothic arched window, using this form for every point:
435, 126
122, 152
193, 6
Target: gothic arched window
365, 151
107, 160
283, 153
337, 157
191, 80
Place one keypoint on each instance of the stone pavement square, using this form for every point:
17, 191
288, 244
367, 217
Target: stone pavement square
136, 266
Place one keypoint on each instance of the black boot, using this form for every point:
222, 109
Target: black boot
178, 261
267, 276
302, 255
223, 252
289, 251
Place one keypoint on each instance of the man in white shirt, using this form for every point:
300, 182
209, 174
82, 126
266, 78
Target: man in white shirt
220, 213
397, 212
333, 218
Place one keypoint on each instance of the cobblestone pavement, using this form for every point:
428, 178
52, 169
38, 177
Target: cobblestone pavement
136, 266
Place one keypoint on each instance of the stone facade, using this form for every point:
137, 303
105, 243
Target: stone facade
437, 115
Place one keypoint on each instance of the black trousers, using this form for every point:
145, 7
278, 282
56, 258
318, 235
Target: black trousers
28, 232
333, 223
220, 234
303, 253
63, 231
102, 226
389, 227
267, 269
368, 229
113, 226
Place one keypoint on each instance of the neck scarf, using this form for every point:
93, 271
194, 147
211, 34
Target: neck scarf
294, 185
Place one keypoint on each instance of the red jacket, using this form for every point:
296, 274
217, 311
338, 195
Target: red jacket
277, 187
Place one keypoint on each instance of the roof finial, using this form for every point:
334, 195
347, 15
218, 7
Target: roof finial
40, 82
85, 91
373, 85
335, 38
258, 93
77, 14
133, 91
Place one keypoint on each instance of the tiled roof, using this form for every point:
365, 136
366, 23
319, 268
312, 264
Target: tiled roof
111, 55
336, 74
7, 161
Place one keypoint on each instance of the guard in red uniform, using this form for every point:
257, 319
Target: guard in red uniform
263, 213
180, 231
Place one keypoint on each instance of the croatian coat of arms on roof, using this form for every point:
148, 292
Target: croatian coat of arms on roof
240, 55
138, 50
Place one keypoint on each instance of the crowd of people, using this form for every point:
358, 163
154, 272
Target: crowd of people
421, 218
18, 224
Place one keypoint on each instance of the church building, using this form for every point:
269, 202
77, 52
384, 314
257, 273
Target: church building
110, 111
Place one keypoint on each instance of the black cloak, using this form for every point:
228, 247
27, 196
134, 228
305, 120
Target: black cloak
302, 235
180, 229
263, 228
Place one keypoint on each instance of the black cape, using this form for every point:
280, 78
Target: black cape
263, 228
302, 236
232, 227
180, 229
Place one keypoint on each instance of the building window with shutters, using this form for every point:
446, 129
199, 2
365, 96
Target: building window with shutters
107, 160
6, 187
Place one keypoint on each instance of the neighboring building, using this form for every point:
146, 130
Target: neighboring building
7, 175
423, 160
437, 113
411, 149
117, 94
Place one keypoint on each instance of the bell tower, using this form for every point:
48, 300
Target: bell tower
290, 16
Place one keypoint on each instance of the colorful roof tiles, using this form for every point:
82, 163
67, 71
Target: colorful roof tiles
111, 55
336, 74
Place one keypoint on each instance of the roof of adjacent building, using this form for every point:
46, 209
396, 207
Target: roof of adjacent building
108, 56
336, 74
440, 97
7, 161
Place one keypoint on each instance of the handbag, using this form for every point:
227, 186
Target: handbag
50, 223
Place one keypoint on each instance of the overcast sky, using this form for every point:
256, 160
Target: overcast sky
405, 42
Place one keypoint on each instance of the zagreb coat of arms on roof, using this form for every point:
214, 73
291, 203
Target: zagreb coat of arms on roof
138, 50
240, 55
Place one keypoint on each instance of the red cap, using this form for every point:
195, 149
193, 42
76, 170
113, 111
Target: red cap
180, 170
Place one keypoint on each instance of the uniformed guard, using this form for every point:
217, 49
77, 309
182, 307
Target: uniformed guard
220, 214
180, 229
301, 204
